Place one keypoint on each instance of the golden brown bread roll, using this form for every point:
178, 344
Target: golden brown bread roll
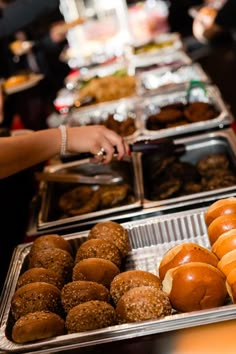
220, 207
195, 286
58, 260
37, 325
141, 304
77, 292
36, 297
112, 232
98, 270
220, 225
228, 262
225, 243
231, 285
40, 275
132, 279
99, 248
89, 316
185, 253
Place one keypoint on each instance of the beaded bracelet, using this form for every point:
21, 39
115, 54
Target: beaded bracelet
63, 130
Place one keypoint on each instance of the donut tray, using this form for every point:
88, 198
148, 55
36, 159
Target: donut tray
150, 239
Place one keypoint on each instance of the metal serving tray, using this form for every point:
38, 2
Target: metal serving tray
98, 114
195, 148
150, 239
169, 79
211, 94
49, 215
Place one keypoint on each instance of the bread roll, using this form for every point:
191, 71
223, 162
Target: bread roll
37, 325
99, 248
132, 279
228, 262
231, 285
195, 286
220, 207
58, 260
36, 297
185, 253
98, 270
40, 275
220, 225
225, 243
141, 304
77, 292
112, 232
89, 316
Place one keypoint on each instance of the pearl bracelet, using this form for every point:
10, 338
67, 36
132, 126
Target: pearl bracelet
63, 130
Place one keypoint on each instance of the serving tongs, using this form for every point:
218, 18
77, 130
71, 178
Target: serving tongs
161, 146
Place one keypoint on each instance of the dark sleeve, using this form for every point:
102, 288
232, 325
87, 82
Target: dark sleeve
22, 13
226, 17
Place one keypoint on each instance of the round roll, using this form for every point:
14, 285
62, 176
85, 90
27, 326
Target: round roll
220, 207
98, 270
112, 232
185, 253
40, 275
89, 316
36, 297
77, 292
60, 261
231, 285
195, 286
141, 304
228, 262
99, 248
37, 325
132, 279
225, 243
220, 225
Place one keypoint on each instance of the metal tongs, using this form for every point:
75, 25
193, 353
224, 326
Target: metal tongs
161, 146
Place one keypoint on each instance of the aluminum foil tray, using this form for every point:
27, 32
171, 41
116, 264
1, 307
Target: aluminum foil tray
163, 79
150, 239
152, 104
192, 149
50, 216
121, 110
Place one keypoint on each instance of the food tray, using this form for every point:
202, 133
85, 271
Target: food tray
211, 94
163, 79
49, 215
150, 239
193, 149
98, 114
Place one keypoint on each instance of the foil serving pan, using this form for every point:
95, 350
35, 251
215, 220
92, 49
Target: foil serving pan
150, 239
210, 94
188, 150
169, 79
120, 110
50, 215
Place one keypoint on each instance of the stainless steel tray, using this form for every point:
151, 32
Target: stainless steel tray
150, 239
169, 79
196, 147
152, 104
50, 217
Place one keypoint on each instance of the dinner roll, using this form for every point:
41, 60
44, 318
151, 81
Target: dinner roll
40, 275
185, 253
228, 262
225, 243
141, 304
220, 207
195, 286
60, 261
112, 232
77, 292
220, 225
132, 279
36, 297
37, 325
231, 285
99, 248
90, 315
98, 270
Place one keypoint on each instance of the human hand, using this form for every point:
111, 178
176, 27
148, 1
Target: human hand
98, 140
